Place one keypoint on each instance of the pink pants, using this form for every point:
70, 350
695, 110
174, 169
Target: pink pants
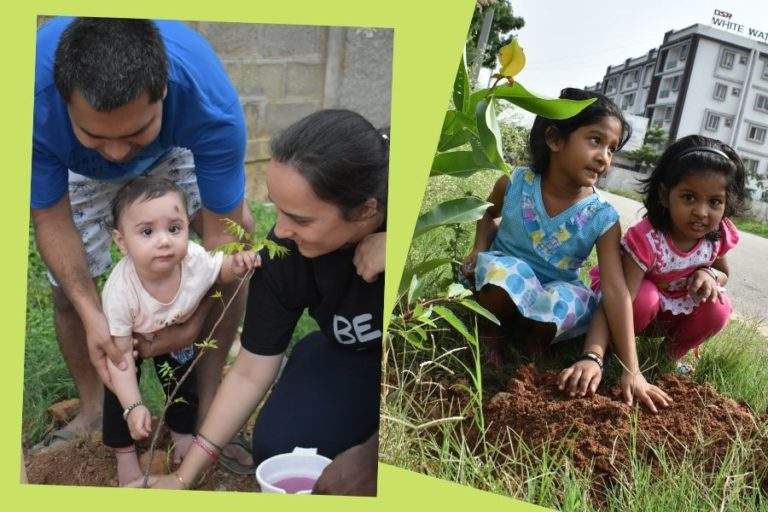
683, 332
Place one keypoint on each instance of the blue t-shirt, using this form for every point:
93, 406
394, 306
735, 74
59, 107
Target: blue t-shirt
201, 112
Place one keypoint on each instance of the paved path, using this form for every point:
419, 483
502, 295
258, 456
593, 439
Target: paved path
748, 261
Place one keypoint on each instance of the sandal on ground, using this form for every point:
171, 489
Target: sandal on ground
234, 465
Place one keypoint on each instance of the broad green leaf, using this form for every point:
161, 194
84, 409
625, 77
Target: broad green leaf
457, 130
461, 86
454, 321
488, 131
511, 59
480, 310
454, 211
421, 269
458, 163
549, 108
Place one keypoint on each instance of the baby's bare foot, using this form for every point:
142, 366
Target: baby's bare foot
181, 444
128, 468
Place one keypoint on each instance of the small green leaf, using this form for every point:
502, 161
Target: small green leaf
230, 248
457, 290
461, 89
422, 269
413, 339
414, 289
480, 310
454, 211
454, 321
216, 295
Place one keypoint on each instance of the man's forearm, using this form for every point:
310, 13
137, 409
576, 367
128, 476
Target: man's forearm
59, 244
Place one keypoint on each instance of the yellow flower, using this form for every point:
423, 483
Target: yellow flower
565, 261
511, 59
496, 274
563, 234
536, 236
528, 176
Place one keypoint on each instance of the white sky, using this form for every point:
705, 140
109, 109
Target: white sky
572, 42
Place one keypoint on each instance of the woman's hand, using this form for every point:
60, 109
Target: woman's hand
580, 379
370, 256
634, 386
703, 286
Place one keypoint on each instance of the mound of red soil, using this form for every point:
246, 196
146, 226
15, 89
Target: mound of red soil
87, 462
598, 429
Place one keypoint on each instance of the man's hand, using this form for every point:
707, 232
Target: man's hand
101, 346
580, 379
370, 256
634, 386
352, 472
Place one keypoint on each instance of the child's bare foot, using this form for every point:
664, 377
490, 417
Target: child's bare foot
128, 468
181, 444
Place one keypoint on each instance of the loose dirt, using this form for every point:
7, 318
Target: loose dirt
87, 462
598, 429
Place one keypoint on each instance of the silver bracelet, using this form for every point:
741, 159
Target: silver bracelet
712, 273
131, 407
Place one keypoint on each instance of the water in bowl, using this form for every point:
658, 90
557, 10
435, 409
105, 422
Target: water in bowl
294, 484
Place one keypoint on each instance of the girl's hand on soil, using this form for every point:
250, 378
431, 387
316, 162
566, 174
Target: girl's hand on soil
158, 482
468, 265
634, 386
244, 261
139, 423
703, 287
370, 256
581, 378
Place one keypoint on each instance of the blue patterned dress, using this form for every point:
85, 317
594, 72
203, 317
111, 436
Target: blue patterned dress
536, 258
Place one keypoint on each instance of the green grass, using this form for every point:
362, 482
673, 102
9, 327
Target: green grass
422, 430
46, 378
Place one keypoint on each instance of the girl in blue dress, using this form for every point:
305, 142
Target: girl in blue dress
542, 225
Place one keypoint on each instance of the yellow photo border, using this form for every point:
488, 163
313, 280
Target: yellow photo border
427, 45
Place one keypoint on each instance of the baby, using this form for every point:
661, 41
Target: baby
160, 281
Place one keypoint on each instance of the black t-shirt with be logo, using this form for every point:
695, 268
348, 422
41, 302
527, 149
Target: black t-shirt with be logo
347, 309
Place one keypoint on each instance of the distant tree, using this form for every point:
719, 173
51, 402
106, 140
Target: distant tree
504, 22
648, 154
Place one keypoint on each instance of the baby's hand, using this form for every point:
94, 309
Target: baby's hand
634, 385
703, 287
244, 261
139, 423
580, 379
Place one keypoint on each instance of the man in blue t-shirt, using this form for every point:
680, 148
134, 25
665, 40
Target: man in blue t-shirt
115, 99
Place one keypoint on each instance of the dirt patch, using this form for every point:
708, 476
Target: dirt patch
87, 462
598, 429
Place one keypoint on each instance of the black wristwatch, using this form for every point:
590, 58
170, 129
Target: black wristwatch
592, 356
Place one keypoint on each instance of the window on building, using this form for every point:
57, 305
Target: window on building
683, 52
627, 101
761, 103
727, 58
611, 85
735, 91
720, 91
750, 165
668, 113
765, 69
712, 122
676, 83
742, 59
648, 75
728, 122
764, 196
756, 134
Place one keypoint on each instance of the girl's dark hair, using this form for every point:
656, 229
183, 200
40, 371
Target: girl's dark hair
143, 188
342, 156
681, 159
110, 61
600, 108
